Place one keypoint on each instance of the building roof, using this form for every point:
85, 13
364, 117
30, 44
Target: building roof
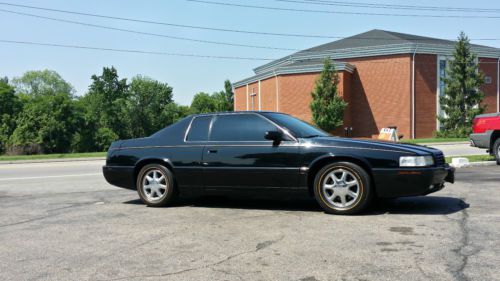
371, 43
377, 37
294, 67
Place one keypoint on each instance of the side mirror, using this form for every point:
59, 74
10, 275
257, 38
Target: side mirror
276, 136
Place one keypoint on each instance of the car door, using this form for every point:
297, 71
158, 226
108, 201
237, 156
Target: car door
187, 156
238, 156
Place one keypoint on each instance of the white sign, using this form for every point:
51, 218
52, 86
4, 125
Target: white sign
388, 134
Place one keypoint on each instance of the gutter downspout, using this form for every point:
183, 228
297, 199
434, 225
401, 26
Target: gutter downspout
498, 85
277, 91
413, 93
247, 98
260, 96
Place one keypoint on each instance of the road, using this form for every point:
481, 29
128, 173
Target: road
458, 149
62, 221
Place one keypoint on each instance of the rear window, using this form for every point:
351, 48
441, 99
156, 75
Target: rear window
199, 129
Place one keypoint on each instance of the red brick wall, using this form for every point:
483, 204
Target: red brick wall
268, 94
425, 97
295, 94
253, 101
489, 67
380, 94
240, 98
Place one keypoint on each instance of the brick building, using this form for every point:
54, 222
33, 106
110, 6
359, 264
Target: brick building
388, 79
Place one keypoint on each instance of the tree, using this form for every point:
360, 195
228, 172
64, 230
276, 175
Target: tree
462, 97
173, 113
148, 99
46, 122
10, 106
327, 106
203, 103
42, 82
224, 100
106, 109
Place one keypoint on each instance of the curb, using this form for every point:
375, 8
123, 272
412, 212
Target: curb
445, 143
51, 160
478, 164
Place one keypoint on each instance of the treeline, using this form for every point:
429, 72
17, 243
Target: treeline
40, 113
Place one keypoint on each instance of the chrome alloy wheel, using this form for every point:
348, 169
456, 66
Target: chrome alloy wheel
341, 188
154, 185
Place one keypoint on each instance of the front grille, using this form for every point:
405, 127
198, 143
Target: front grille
439, 159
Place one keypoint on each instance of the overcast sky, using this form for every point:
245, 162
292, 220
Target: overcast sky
191, 75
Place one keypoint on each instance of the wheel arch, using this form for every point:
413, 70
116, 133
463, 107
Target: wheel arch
494, 136
146, 161
322, 161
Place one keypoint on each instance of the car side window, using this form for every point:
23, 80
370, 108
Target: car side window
199, 129
240, 127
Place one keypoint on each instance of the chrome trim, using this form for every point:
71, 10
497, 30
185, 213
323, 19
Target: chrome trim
362, 148
268, 144
214, 117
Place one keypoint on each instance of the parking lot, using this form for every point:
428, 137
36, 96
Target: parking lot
62, 221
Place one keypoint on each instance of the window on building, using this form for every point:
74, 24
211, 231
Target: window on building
442, 87
240, 127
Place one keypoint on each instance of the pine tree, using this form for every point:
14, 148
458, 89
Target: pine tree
327, 106
462, 97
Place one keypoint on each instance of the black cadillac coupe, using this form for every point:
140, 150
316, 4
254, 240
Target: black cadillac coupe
257, 151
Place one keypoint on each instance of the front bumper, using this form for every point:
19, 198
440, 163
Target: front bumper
121, 176
401, 182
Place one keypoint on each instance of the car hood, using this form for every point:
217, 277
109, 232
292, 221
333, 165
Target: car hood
374, 144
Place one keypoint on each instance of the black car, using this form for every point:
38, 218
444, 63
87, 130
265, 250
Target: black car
257, 151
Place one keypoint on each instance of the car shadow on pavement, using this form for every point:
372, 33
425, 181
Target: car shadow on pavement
421, 205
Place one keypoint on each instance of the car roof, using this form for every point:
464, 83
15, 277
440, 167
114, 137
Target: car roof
235, 112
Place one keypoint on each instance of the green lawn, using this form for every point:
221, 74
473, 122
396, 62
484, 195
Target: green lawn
52, 156
473, 158
431, 140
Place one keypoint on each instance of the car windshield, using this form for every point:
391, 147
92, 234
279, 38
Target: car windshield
298, 128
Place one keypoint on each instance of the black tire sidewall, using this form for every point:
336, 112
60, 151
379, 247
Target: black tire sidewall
496, 145
365, 187
170, 190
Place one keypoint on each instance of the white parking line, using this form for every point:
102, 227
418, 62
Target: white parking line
48, 177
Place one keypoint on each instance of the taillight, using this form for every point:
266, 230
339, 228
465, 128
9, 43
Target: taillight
474, 124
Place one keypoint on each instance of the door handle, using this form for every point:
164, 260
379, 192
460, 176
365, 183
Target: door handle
211, 151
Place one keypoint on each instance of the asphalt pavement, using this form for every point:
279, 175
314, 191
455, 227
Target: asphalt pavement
458, 149
62, 221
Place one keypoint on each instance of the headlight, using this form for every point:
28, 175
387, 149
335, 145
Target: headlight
416, 161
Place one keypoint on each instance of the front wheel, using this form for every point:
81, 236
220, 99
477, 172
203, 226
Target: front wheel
496, 150
155, 185
342, 188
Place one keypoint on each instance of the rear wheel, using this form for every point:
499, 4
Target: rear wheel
496, 150
342, 188
155, 185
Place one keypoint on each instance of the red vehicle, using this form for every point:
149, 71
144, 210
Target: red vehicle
486, 133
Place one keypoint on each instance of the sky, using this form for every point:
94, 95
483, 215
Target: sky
190, 75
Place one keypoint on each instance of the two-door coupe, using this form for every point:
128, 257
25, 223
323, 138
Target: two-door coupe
243, 151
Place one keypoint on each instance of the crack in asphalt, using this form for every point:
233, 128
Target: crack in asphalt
461, 251
258, 247
49, 213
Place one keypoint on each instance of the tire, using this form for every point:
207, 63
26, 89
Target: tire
155, 185
496, 150
344, 195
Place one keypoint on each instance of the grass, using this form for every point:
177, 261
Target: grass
436, 140
51, 156
473, 158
